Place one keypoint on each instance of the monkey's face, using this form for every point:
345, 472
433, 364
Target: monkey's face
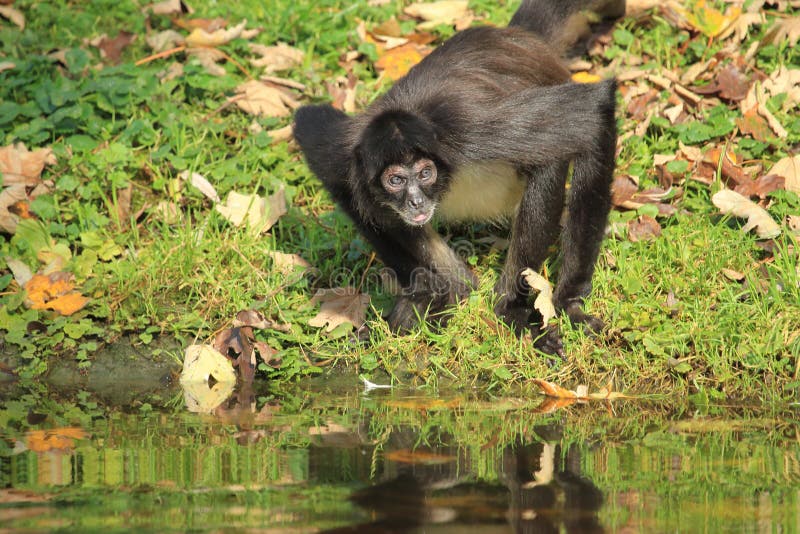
412, 190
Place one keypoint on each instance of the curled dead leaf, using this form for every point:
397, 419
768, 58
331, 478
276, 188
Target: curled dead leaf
276, 58
200, 37
435, 13
18, 165
339, 306
544, 300
264, 100
732, 203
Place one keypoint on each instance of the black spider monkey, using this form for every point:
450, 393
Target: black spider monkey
484, 128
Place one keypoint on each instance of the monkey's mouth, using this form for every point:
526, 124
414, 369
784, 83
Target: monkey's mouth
419, 219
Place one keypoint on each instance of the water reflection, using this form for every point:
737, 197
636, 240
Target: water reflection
328, 457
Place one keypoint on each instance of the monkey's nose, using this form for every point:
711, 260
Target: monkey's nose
415, 202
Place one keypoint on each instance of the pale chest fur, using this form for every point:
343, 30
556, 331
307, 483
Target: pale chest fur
482, 191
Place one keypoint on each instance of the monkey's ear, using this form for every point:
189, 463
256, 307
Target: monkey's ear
322, 133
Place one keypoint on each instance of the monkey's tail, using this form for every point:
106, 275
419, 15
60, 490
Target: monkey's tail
562, 23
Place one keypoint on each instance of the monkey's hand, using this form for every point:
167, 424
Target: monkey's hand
428, 298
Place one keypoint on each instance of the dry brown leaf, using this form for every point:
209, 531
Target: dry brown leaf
276, 58
787, 30
789, 168
784, 80
13, 15
396, 63
258, 98
111, 49
168, 7
200, 37
10, 197
544, 300
54, 292
435, 13
730, 84
339, 306
343, 92
165, 40
199, 182
259, 213
643, 228
636, 7
732, 203
287, 262
20, 166
754, 125
280, 135
732, 275
7, 65
208, 58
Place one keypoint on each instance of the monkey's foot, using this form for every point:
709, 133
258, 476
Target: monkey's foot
547, 340
591, 324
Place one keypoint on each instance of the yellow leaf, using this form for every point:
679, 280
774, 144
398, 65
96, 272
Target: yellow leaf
54, 292
60, 439
435, 13
708, 20
396, 62
585, 77
544, 300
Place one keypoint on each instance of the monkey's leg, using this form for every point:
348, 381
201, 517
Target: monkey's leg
588, 208
535, 228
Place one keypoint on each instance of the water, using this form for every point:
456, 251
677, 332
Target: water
330, 457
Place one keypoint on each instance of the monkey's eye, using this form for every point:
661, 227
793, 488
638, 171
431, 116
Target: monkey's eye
426, 174
396, 181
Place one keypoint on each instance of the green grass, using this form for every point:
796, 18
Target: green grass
117, 127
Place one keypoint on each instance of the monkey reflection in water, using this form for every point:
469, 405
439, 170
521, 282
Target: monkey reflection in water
542, 493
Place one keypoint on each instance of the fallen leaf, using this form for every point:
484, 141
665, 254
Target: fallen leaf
202, 362
22, 273
7, 65
167, 211
209, 25
787, 30
54, 292
200, 37
754, 125
343, 92
339, 306
706, 19
18, 165
544, 300
14, 15
256, 319
585, 77
643, 228
789, 168
732, 203
276, 58
168, 7
259, 213
396, 63
111, 49
208, 58
435, 13
762, 186
554, 390
730, 84
622, 190
9, 197
55, 439
418, 457
287, 262
200, 183
258, 98
280, 135
730, 274
165, 40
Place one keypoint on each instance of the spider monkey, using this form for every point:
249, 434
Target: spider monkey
484, 128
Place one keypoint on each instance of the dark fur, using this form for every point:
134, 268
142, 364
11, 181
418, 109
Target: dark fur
487, 94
